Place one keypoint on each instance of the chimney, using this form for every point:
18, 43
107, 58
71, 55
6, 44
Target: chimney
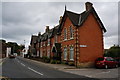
60, 19
39, 34
47, 28
88, 6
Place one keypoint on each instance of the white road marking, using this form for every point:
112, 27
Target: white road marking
106, 72
35, 71
22, 64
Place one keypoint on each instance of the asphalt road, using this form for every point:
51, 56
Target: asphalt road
20, 68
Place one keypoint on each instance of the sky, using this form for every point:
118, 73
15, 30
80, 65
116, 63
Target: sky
22, 19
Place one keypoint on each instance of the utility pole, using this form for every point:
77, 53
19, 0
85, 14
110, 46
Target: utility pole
24, 49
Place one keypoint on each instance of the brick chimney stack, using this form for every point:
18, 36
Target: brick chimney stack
39, 34
88, 6
47, 28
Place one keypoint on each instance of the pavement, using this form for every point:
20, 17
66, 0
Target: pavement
55, 66
88, 72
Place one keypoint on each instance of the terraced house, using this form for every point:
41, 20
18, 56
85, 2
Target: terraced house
78, 39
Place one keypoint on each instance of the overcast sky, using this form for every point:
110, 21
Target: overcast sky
22, 19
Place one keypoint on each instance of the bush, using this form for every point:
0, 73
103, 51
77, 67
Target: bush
71, 63
58, 62
53, 62
46, 59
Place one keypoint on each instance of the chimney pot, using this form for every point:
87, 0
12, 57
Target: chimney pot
39, 33
47, 28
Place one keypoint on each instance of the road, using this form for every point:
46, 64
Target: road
22, 68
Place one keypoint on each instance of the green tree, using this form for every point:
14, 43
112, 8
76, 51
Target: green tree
15, 47
114, 51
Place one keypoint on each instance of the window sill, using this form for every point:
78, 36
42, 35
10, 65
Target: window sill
71, 38
71, 59
65, 40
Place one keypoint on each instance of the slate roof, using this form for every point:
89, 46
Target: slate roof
33, 39
78, 19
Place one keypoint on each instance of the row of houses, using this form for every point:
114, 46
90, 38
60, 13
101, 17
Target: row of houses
77, 39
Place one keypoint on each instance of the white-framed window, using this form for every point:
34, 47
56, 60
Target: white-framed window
48, 42
65, 34
65, 53
71, 56
71, 32
41, 54
48, 53
37, 53
41, 44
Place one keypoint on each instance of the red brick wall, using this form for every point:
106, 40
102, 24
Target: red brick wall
90, 34
69, 41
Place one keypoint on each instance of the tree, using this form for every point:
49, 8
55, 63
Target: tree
114, 51
15, 47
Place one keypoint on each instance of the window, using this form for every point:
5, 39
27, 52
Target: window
41, 44
48, 53
71, 53
37, 53
65, 53
65, 34
48, 42
71, 32
41, 54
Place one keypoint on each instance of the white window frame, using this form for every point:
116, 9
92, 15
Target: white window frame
48, 53
41, 44
65, 34
71, 32
71, 56
48, 42
41, 55
65, 53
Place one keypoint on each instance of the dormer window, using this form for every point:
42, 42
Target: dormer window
71, 32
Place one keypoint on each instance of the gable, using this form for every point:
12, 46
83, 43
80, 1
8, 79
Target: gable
78, 19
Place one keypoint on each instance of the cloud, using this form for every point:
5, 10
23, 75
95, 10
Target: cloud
22, 19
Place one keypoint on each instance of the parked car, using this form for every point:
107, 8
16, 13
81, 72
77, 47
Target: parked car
11, 56
106, 62
118, 60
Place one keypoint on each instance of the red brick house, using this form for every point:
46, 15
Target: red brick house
78, 39
33, 46
82, 36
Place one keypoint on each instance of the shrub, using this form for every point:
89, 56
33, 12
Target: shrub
46, 59
58, 62
53, 61
71, 64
